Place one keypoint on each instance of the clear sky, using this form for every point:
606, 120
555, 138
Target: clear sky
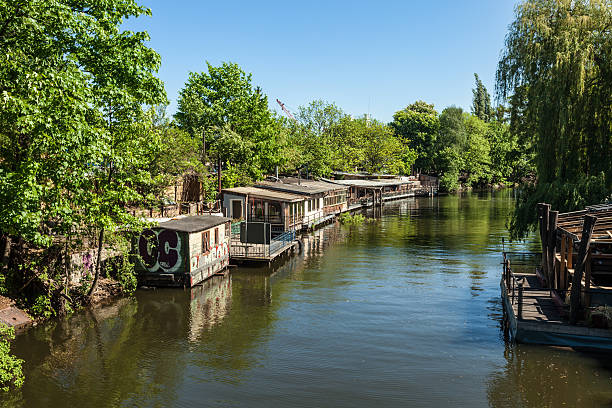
375, 57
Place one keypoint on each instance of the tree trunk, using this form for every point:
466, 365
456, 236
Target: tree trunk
98, 261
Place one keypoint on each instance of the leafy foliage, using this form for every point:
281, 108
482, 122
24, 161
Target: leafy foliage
481, 105
232, 119
417, 126
74, 146
11, 374
556, 72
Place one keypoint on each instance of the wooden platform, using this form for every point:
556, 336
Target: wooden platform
544, 321
258, 255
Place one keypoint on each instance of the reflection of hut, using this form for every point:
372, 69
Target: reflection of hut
210, 303
184, 251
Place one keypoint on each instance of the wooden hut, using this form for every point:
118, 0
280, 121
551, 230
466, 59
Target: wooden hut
182, 251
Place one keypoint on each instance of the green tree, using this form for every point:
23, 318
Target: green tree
73, 85
477, 161
222, 108
556, 71
481, 101
317, 133
417, 126
382, 152
452, 132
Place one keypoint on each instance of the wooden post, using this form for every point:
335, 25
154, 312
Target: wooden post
587, 281
562, 264
552, 244
219, 175
520, 300
585, 241
508, 277
570, 259
543, 210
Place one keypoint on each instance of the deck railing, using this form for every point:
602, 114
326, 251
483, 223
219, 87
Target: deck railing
515, 284
264, 251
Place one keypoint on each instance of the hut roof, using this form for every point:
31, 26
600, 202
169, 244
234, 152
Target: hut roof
374, 183
194, 223
302, 189
264, 193
572, 222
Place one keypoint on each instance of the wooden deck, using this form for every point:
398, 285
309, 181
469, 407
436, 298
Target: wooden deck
538, 305
543, 318
254, 253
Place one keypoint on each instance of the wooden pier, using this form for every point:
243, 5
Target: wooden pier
559, 296
533, 315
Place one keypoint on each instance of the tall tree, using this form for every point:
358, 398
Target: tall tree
222, 107
556, 68
452, 132
481, 101
316, 134
417, 126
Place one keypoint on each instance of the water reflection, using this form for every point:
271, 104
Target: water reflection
210, 303
536, 376
403, 310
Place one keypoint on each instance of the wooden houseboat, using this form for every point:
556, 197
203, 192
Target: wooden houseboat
283, 211
365, 192
563, 295
323, 200
183, 251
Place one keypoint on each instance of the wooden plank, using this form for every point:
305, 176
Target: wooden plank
562, 264
589, 224
552, 242
587, 281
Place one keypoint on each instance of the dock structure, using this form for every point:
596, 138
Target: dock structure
263, 251
269, 212
563, 295
372, 192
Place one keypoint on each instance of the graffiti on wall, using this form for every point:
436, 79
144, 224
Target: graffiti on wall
216, 252
160, 250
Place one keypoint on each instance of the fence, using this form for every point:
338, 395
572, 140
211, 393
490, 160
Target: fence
521, 261
264, 251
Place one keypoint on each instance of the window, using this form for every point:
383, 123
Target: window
205, 242
216, 236
274, 209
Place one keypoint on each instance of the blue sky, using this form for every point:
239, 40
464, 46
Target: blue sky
364, 56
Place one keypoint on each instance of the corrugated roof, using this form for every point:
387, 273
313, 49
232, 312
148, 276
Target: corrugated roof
372, 183
305, 188
265, 193
194, 223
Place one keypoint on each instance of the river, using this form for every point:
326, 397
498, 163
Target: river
401, 311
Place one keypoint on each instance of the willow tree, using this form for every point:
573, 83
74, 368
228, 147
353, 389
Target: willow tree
556, 70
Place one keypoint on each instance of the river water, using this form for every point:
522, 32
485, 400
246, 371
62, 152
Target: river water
403, 311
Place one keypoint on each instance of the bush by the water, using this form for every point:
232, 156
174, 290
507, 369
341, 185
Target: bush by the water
349, 219
11, 374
